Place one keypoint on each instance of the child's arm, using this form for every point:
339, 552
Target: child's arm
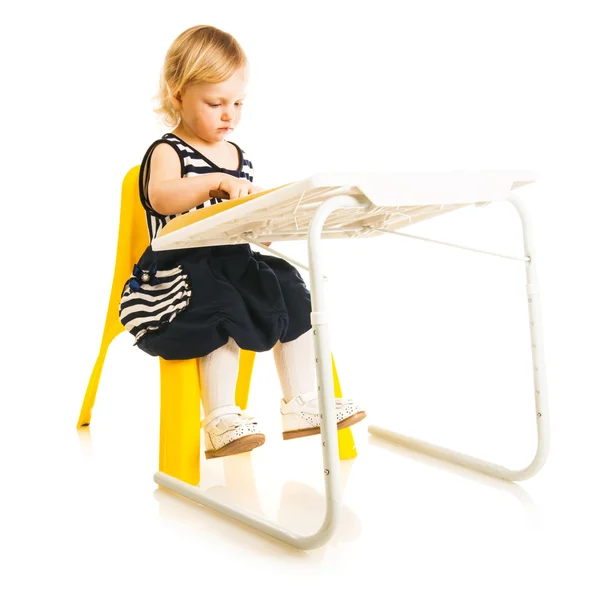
168, 192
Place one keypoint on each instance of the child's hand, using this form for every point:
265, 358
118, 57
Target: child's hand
237, 188
233, 188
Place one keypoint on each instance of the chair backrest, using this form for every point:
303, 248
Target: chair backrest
133, 240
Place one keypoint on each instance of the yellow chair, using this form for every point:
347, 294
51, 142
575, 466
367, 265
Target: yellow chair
179, 450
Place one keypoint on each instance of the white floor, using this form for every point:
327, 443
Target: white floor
81, 513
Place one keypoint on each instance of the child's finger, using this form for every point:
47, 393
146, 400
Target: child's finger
219, 194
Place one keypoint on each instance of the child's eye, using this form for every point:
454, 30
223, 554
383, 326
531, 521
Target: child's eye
216, 105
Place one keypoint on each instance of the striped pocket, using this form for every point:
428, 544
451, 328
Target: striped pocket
153, 298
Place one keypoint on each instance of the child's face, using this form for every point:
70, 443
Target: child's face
210, 111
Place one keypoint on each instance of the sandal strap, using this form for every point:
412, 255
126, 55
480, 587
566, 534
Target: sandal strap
306, 402
222, 411
302, 403
344, 401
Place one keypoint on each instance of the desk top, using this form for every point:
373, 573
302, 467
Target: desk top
386, 200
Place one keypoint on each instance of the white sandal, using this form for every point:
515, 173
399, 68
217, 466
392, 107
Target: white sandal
301, 417
228, 431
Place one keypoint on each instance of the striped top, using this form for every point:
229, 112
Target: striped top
193, 163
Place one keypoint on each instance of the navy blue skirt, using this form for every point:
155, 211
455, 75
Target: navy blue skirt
231, 291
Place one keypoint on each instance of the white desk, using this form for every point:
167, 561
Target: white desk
356, 205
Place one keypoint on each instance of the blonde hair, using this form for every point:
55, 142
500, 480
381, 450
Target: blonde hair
201, 54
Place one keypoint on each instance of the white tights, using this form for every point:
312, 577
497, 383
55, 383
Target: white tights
294, 360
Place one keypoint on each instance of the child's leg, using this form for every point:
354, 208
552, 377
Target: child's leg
296, 368
227, 429
218, 375
295, 362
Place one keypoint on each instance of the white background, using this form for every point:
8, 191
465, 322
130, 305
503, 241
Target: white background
433, 340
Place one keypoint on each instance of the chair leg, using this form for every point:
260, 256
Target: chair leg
179, 449
242, 388
85, 415
346, 445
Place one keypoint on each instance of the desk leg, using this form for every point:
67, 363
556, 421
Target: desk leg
539, 380
331, 463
